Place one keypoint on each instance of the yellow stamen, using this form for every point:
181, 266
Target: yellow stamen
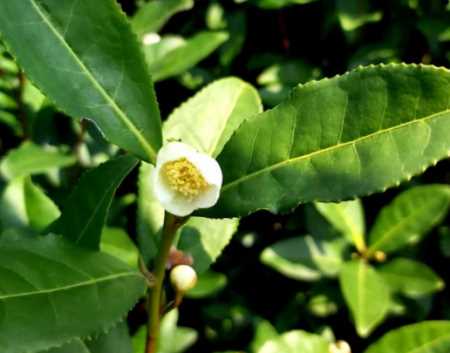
184, 177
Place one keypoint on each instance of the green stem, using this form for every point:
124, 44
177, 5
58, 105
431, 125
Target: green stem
171, 225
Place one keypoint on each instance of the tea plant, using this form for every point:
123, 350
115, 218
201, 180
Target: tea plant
70, 274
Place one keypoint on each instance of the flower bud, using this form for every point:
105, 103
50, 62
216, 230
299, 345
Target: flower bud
183, 278
340, 347
379, 256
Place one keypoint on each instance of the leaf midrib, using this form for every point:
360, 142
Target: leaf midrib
92, 281
122, 116
328, 149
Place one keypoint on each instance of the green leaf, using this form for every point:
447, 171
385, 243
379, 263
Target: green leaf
116, 340
154, 14
150, 215
410, 278
117, 243
277, 4
185, 55
175, 339
264, 331
353, 14
87, 206
208, 284
337, 139
409, 217
41, 210
207, 120
60, 291
424, 337
295, 342
30, 159
306, 258
24, 204
84, 57
365, 294
348, 218
204, 239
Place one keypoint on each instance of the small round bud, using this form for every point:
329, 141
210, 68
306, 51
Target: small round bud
340, 347
379, 256
183, 278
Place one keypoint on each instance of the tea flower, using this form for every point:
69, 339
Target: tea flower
185, 180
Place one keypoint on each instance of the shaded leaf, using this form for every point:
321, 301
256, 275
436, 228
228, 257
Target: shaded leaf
175, 339
84, 214
60, 291
411, 278
409, 217
116, 340
30, 159
294, 342
208, 284
117, 243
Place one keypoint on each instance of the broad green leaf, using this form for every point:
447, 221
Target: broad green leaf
409, 217
185, 55
205, 239
289, 73
365, 294
175, 339
30, 159
207, 120
410, 277
25, 205
59, 291
154, 14
337, 139
139, 340
117, 243
208, 284
306, 257
424, 337
295, 342
150, 215
353, 14
87, 206
84, 57
348, 218
117, 340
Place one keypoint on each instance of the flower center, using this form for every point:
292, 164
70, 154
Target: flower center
184, 177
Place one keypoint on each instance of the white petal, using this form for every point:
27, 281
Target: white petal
208, 168
208, 198
173, 151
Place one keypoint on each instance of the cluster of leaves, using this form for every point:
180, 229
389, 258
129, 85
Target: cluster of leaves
69, 264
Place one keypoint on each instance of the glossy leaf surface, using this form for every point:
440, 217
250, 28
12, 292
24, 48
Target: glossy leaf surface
338, 138
84, 57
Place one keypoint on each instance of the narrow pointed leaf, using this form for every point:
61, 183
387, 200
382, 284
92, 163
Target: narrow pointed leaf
30, 159
186, 55
409, 217
424, 337
366, 295
84, 215
338, 138
348, 218
83, 55
154, 14
52, 291
207, 120
410, 278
